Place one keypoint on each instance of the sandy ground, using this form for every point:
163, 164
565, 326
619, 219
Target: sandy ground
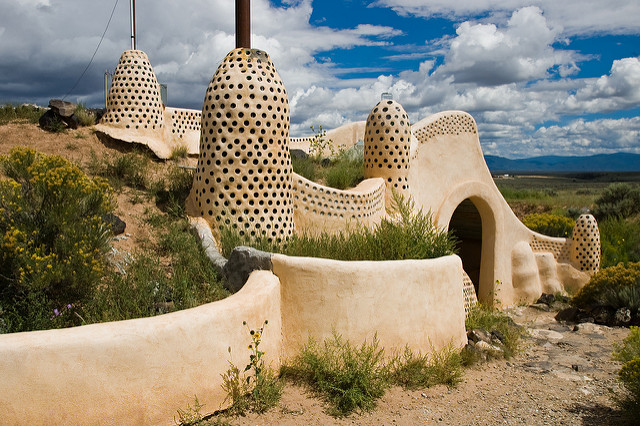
562, 377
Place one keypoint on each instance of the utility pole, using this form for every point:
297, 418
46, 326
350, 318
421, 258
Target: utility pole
243, 23
132, 11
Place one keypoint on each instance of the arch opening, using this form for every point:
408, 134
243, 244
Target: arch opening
466, 224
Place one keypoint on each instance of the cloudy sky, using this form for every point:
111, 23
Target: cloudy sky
540, 77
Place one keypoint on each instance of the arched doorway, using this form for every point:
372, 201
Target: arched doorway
466, 224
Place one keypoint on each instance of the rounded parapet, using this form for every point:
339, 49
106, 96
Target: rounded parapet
387, 143
243, 178
134, 98
585, 246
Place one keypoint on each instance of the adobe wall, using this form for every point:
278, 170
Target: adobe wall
136, 372
140, 372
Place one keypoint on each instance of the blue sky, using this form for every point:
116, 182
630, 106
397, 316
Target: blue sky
541, 77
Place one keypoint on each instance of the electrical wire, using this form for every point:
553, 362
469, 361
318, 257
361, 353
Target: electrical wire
94, 53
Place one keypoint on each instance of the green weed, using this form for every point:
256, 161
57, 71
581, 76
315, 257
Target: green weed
349, 378
260, 389
83, 116
415, 371
619, 241
130, 169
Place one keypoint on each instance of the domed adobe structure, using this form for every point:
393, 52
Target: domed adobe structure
585, 247
387, 141
243, 178
134, 98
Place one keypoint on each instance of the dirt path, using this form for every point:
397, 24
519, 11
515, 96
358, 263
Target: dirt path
562, 377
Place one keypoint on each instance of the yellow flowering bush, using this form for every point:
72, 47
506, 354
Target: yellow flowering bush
549, 224
607, 282
52, 235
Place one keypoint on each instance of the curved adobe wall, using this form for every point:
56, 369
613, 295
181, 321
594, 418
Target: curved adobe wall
418, 303
243, 178
517, 264
140, 372
136, 372
319, 208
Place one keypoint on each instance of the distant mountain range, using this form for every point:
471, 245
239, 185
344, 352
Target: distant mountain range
619, 162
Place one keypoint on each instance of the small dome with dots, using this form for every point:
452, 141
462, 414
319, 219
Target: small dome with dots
387, 143
585, 247
134, 98
244, 175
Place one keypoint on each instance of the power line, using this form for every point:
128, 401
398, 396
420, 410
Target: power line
94, 53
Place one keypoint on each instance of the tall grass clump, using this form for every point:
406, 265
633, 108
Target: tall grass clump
629, 354
83, 116
53, 238
349, 377
410, 234
344, 169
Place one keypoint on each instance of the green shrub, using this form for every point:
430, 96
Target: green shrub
28, 113
550, 224
618, 200
413, 371
619, 241
349, 378
412, 235
305, 167
629, 374
83, 116
610, 284
52, 235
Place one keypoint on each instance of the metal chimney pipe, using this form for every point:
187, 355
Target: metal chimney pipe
243, 23
132, 13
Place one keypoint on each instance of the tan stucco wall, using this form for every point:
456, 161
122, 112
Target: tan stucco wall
407, 302
345, 136
448, 167
135, 372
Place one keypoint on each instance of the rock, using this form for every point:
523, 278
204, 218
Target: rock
242, 261
50, 121
541, 306
62, 108
603, 315
568, 314
623, 316
116, 224
496, 335
325, 162
546, 298
478, 335
487, 347
298, 153
588, 327
545, 334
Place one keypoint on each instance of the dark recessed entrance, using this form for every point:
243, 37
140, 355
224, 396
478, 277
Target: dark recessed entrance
466, 224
